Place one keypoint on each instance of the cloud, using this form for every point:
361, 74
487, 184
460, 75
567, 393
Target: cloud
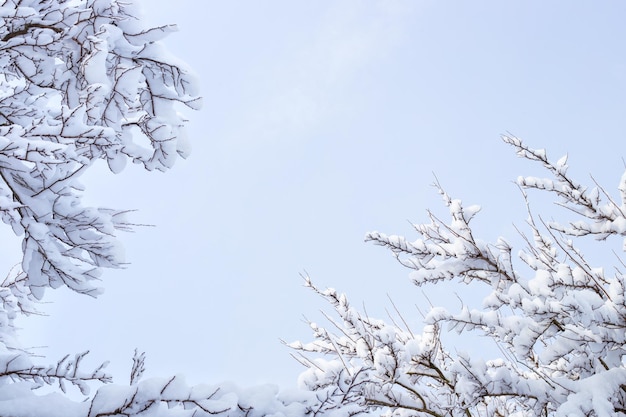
315, 84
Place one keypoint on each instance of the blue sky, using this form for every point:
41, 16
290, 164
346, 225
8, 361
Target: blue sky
324, 120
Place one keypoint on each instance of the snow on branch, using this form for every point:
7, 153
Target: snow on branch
17, 367
80, 81
557, 320
159, 397
602, 216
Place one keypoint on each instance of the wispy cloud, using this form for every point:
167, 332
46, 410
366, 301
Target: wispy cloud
312, 85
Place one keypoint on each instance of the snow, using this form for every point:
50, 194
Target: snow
104, 87
557, 320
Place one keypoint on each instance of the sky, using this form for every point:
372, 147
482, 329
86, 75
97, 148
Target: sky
322, 121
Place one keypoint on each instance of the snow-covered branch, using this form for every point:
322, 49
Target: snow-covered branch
558, 321
601, 215
81, 81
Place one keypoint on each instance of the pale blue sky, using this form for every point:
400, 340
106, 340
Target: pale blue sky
324, 120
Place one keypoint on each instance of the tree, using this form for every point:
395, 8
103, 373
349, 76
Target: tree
83, 81
558, 321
